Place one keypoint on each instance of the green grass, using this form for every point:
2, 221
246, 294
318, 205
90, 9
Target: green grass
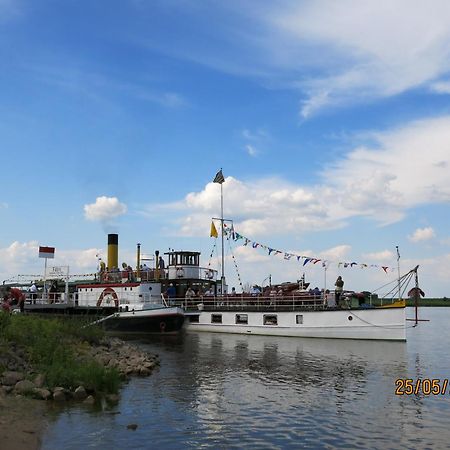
52, 347
430, 302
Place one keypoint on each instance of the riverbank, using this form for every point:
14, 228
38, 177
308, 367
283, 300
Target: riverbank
23, 422
46, 360
430, 302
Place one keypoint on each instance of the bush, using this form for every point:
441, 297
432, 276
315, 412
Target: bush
51, 346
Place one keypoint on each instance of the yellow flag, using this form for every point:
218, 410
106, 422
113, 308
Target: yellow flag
213, 231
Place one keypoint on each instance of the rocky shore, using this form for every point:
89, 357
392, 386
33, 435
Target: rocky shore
23, 390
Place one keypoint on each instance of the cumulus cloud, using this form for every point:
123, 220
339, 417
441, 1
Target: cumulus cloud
104, 209
422, 234
383, 256
400, 169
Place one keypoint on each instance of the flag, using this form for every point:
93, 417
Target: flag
46, 252
213, 231
219, 178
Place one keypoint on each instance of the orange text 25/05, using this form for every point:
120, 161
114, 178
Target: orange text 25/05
425, 386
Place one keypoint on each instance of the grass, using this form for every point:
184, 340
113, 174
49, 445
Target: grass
52, 348
430, 302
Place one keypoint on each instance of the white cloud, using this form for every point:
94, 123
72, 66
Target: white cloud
104, 209
383, 256
441, 87
332, 52
422, 234
251, 150
403, 168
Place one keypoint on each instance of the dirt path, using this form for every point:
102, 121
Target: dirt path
22, 423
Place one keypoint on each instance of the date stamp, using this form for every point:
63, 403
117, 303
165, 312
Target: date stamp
424, 386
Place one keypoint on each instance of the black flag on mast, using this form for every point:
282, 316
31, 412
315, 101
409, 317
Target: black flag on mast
219, 178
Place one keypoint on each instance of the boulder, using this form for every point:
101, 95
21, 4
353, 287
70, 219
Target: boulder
11, 378
80, 393
24, 387
42, 394
59, 395
90, 400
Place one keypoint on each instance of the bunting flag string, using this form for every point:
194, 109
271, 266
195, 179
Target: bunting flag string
231, 233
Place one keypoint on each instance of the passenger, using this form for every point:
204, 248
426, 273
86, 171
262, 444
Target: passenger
209, 292
171, 292
162, 266
233, 292
33, 292
190, 294
15, 297
255, 290
339, 288
316, 292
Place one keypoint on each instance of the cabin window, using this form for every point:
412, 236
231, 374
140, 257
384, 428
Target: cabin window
270, 319
131, 289
299, 319
216, 318
125, 288
242, 319
194, 319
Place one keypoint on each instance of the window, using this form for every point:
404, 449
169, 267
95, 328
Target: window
242, 319
216, 318
194, 319
270, 319
299, 319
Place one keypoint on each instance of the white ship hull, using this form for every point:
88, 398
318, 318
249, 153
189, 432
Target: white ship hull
370, 324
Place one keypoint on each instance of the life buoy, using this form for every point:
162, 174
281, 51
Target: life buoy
162, 326
108, 294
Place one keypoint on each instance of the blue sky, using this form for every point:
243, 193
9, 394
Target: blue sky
331, 121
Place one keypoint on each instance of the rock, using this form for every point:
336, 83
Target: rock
42, 394
79, 393
113, 362
144, 372
112, 398
24, 387
132, 426
59, 395
39, 380
7, 389
90, 400
11, 378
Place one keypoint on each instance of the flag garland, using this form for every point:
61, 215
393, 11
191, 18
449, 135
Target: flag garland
231, 233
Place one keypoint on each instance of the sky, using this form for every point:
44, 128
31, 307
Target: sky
330, 121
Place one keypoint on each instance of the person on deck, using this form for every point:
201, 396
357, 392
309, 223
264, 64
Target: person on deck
190, 294
33, 293
16, 297
339, 288
171, 292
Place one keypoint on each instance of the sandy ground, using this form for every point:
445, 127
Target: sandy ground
22, 423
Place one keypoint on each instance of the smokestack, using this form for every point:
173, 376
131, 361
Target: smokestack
113, 253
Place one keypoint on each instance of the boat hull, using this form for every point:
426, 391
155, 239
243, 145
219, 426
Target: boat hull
161, 320
370, 324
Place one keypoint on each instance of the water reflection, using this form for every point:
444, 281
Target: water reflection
239, 391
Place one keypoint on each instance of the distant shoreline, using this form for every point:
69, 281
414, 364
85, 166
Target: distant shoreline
430, 302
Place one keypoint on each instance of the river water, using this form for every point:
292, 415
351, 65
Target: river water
257, 392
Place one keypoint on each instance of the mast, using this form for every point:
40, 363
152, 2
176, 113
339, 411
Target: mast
221, 225
398, 270
219, 178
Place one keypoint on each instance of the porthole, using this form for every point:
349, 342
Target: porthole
350, 317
